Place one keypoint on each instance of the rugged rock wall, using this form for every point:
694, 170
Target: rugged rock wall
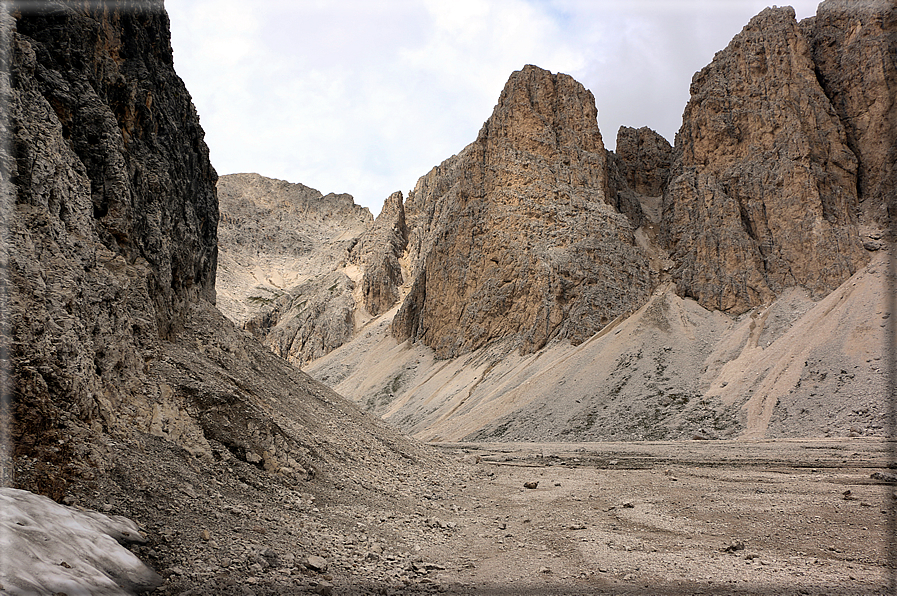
854, 49
763, 192
515, 236
638, 173
311, 319
379, 252
274, 235
112, 232
118, 358
645, 158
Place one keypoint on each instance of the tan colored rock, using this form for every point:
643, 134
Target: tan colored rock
854, 44
310, 320
638, 172
645, 160
275, 235
378, 253
515, 235
763, 193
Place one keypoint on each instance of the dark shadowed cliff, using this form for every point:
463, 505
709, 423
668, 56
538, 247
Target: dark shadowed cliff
130, 390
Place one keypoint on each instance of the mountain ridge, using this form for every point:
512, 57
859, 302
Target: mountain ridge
761, 194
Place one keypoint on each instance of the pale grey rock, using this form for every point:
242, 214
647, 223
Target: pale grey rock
379, 252
274, 236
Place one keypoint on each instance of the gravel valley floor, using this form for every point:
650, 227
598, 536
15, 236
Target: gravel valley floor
769, 517
682, 518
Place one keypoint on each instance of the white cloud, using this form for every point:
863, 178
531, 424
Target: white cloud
365, 97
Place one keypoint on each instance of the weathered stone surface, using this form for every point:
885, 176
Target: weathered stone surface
310, 320
378, 253
854, 49
111, 226
274, 235
645, 159
763, 191
638, 172
119, 359
515, 235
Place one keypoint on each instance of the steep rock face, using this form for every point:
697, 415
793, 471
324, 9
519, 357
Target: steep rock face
515, 235
112, 217
645, 158
638, 172
151, 186
378, 253
118, 358
310, 320
763, 191
854, 48
274, 235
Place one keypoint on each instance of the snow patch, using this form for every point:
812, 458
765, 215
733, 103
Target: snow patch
47, 548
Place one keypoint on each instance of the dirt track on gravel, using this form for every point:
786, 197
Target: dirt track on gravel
761, 517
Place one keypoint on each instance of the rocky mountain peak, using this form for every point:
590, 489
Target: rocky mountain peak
763, 191
378, 253
514, 237
645, 159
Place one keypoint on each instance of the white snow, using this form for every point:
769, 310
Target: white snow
47, 548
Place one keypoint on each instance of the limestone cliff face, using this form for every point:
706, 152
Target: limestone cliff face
515, 235
112, 222
645, 158
854, 49
276, 235
378, 253
763, 191
638, 173
116, 352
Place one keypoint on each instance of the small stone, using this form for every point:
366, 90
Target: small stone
544, 570
735, 545
205, 535
628, 505
316, 563
324, 587
883, 476
530, 485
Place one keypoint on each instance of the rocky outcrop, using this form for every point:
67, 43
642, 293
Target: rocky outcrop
854, 49
515, 236
763, 191
282, 275
378, 253
112, 222
638, 172
645, 158
310, 320
274, 236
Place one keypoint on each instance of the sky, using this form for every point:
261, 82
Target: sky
364, 97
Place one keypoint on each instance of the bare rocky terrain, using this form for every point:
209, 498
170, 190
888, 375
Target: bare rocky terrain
667, 421
685, 517
538, 287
